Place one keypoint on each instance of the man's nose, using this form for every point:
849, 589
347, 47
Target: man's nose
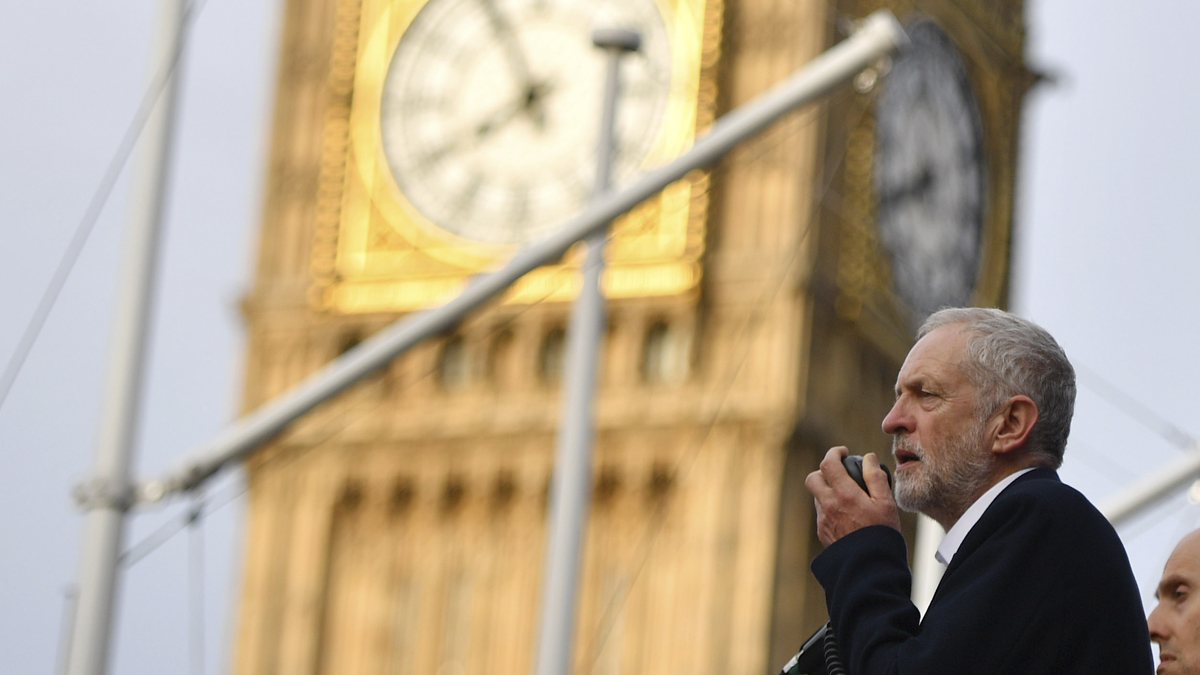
898, 420
1155, 623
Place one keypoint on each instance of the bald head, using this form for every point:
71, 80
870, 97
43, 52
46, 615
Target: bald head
1175, 622
1188, 547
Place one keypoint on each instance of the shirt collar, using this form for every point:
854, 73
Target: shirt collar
954, 538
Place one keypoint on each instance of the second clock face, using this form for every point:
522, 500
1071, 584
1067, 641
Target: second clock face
490, 110
929, 174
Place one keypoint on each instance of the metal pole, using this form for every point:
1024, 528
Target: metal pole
108, 494
879, 36
572, 486
927, 571
1153, 488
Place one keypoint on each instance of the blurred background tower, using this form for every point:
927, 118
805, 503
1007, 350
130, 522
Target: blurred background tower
758, 313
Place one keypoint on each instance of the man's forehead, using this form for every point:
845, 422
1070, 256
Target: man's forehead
1183, 567
938, 353
1185, 559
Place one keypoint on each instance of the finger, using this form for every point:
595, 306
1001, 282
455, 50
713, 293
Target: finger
876, 479
835, 454
815, 482
834, 471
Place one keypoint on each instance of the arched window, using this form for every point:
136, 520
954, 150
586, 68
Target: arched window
348, 341
550, 361
454, 366
498, 368
665, 354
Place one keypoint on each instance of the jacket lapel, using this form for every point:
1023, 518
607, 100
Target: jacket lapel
984, 528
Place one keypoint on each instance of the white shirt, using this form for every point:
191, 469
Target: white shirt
954, 538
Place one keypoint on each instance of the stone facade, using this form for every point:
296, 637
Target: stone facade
399, 528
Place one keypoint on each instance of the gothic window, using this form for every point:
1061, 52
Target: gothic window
553, 353
664, 354
499, 367
454, 367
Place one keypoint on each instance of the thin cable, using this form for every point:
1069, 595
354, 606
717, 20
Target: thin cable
334, 428
211, 504
1103, 463
1172, 506
99, 198
1182, 526
1135, 409
196, 586
1185, 524
66, 629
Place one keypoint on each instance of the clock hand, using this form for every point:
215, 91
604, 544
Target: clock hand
914, 188
517, 62
490, 124
501, 116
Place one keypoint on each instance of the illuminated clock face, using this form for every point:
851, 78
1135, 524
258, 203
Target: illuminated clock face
490, 110
929, 174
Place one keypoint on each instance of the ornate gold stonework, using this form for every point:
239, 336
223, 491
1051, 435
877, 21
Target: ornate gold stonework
374, 252
990, 37
751, 325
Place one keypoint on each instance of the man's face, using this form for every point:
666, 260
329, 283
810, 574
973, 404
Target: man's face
1175, 622
942, 458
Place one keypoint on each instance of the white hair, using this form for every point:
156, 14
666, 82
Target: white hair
1006, 356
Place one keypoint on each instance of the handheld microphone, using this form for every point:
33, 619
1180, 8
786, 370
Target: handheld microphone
854, 467
819, 654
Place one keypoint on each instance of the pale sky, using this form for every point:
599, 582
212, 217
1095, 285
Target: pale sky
1106, 251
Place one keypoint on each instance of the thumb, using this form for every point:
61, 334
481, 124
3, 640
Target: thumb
874, 476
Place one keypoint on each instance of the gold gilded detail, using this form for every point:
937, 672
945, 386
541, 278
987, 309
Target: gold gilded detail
861, 264
990, 38
374, 252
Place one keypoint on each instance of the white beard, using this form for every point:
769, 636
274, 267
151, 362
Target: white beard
948, 478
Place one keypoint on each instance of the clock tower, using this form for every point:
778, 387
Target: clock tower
758, 313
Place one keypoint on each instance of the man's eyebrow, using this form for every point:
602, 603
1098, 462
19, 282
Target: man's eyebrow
913, 383
1169, 582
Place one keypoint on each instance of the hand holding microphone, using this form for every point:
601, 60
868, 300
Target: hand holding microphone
854, 467
843, 504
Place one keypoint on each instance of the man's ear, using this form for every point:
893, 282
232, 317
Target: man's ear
1014, 421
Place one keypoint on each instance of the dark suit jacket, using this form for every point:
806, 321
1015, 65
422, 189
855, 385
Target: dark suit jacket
1041, 584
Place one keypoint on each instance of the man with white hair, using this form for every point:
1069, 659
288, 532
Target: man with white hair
1036, 579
